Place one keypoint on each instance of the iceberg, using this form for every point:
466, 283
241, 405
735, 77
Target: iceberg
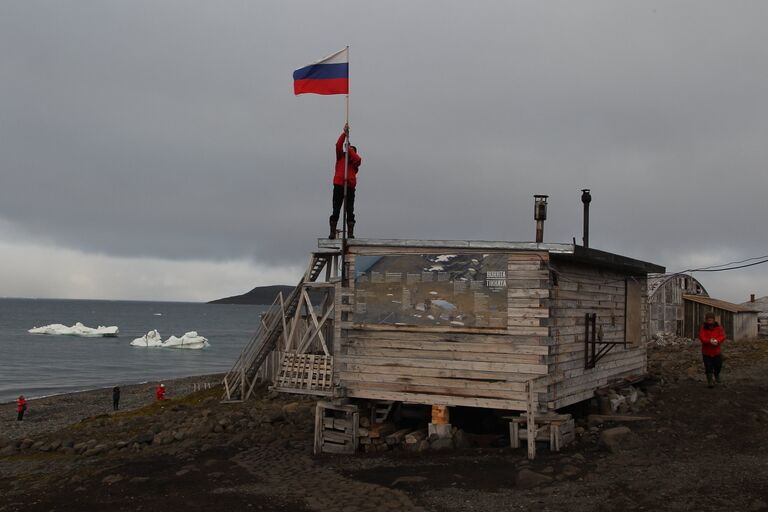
190, 341
151, 339
76, 330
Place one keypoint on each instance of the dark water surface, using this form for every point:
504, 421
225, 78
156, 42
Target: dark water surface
38, 365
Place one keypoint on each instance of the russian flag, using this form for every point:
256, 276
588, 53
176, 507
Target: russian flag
329, 75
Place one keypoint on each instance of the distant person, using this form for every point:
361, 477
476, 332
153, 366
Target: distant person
116, 398
712, 336
353, 166
21, 407
160, 392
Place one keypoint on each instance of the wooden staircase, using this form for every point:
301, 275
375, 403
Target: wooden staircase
241, 379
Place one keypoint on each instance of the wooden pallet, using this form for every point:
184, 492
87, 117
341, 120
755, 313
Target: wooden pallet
336, 428
305, 373
557, 429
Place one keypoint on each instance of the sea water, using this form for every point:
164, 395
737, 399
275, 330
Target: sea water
39, 365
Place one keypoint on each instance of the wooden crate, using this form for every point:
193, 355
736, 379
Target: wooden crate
336, 428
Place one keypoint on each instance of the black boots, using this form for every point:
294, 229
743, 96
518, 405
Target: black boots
333, 223
710, 381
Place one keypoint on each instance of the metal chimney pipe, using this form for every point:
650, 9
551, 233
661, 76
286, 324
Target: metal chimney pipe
540, 215
586, 198
751, 297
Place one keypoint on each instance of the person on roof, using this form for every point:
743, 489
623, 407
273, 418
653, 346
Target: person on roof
712, 336
160, 392
353, 166
21, 407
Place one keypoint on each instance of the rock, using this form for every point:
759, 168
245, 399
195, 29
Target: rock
112, 479
291, 408
121, 444
55, 445
618, 439
527, 479
8, 450
182, 472
445, 443
570, 470
145, 437
548, 470
578, 457
139, 479
710, 437
276, 417
178, 436
37, 445
758, 504
409, 480
462, 440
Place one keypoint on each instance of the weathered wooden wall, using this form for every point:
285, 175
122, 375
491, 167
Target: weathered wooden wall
454, 365
577, 290
480, 367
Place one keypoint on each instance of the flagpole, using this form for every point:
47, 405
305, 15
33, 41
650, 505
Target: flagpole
346, 169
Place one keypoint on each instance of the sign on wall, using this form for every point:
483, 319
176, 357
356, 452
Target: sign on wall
453, 290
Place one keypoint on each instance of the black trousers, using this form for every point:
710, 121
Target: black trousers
21, 416
713, 364
338, 199
115, 404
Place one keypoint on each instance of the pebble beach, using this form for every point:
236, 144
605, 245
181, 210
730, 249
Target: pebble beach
51, 413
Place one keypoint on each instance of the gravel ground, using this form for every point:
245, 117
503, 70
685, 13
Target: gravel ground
49, 414
703, 449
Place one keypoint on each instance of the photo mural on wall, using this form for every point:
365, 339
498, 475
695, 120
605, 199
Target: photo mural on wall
458, 290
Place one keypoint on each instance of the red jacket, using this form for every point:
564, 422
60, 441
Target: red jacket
160, 393
705, 335
21, 404
354, 164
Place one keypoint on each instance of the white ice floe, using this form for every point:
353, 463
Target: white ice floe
190, 341
444, 258
76, 330
151, 339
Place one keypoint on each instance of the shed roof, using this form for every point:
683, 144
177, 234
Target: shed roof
563, 251
760, 304
719, 304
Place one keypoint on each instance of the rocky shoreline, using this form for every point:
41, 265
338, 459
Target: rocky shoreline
51, 413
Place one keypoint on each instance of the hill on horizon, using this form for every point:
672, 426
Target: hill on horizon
261, 295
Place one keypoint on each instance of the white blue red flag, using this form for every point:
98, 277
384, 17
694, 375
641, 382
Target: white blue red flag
329, 75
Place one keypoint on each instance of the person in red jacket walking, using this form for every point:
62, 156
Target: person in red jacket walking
160, 392
712, 336
21, 407
353, 165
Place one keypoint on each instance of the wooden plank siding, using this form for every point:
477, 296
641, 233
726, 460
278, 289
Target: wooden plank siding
479, 367
444, 365
583, 289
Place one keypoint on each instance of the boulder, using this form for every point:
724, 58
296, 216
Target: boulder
445, 443
618, 439
111, 479
8, 450
527, 479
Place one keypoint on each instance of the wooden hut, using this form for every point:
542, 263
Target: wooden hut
667, 308
739, 322
455, 323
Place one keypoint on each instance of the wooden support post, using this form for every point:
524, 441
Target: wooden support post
531, 406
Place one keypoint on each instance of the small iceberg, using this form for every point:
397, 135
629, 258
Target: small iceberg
76, 330
151, 339
190, 341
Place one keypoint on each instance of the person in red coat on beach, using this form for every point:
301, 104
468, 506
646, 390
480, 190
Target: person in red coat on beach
160, 392
21, 407
712, 336
353, 166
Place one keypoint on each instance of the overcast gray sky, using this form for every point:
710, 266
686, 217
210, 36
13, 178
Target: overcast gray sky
154, 149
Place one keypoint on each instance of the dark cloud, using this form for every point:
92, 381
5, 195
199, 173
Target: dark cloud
169, 129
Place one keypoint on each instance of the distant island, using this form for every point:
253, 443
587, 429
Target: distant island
261, 295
